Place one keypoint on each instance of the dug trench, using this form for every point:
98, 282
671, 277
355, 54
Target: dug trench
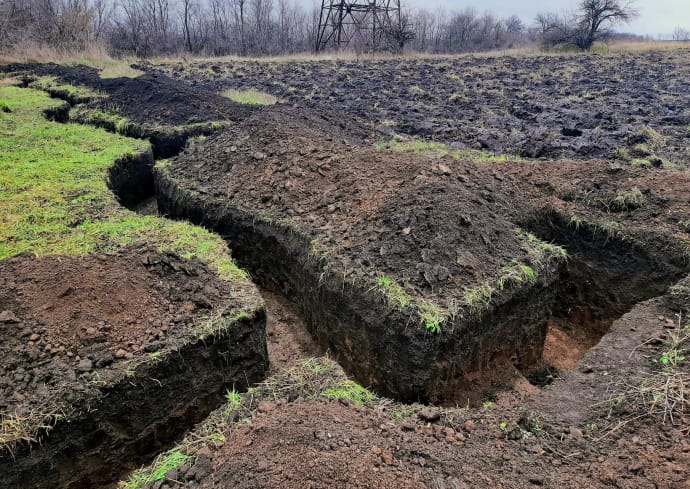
569, 310
536, 330
116, 410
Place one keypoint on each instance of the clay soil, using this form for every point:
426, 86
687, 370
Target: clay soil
70, 322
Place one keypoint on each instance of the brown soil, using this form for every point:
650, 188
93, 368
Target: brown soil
76, 316
557, 438
105, 356
287, 337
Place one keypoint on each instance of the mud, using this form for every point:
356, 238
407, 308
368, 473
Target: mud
545, 107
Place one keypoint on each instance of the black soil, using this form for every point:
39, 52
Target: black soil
316, 212
151, 98
546, 107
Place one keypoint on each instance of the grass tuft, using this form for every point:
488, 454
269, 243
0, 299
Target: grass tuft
249, 97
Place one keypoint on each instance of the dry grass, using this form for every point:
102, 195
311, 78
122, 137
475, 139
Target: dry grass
665, 392
96, 56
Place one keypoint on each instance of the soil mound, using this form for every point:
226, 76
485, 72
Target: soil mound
81, 340
151, 98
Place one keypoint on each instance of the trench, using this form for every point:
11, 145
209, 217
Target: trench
603, 279
97, 447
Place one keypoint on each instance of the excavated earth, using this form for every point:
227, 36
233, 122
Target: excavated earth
546, 107
313, 210
319, 215
109, 354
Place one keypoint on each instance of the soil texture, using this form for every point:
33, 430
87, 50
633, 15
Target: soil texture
546, 107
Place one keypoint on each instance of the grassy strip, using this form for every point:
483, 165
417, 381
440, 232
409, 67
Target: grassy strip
54, 199
249, 97
51, 85
439, 149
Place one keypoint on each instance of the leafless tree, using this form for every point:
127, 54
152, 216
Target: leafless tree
681, 34
593, 22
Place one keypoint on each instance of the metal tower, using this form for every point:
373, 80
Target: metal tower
369, 21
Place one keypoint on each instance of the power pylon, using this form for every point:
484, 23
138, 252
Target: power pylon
342, 21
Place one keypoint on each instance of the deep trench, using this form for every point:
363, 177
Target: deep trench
602, 280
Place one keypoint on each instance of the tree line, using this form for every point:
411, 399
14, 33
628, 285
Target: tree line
148, 28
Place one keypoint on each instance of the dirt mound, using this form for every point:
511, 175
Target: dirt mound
109, 356
73, 317
401, 215
150, 98
438, 241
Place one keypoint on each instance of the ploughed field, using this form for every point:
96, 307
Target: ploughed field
443, 309
627, 107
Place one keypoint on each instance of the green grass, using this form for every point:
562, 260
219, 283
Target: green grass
352, 392
430, 315
51, 84
170, 461
441, 150
54, 199
250, 97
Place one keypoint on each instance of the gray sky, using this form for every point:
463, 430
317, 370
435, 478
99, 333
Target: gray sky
656, 16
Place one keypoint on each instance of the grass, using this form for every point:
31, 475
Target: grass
430, 315
628, 200
665, 392
52, 85
170, 461
441, 150
352, 392
249, 97
54, 200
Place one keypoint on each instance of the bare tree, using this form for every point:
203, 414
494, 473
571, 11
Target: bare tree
593, 22
681, 34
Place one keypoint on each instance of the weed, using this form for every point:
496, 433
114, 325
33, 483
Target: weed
393, 292
478, 297
250, 97
629, 200
515, 274
430, 315
575, 222
352, 392
488, 405
163, 464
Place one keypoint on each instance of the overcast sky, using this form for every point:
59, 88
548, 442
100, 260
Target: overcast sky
656, 16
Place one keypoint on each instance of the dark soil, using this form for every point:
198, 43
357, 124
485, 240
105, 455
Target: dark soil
151, 98
546, 107
551, 439
306, 191
76, 336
